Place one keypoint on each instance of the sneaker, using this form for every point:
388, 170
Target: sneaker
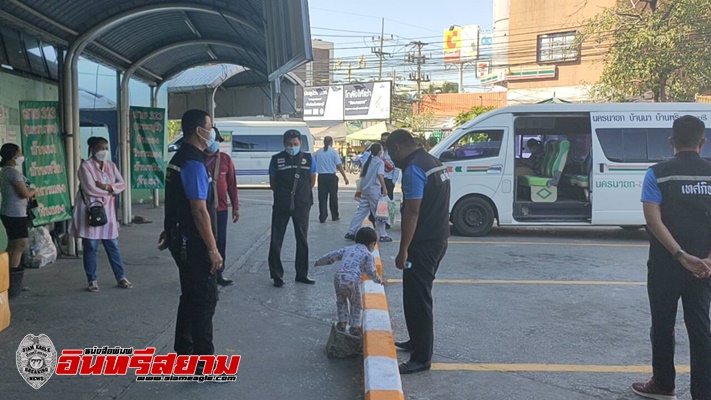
385, 239
411, 367
404, 346
650, 390
350, 236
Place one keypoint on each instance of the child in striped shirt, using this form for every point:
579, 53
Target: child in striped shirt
356, 260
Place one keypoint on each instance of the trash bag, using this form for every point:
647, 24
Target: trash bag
40, 250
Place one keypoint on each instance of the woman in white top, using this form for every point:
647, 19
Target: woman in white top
16, 191
373, 188
99, 184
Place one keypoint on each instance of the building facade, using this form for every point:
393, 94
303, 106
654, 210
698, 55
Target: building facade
542, 59
316, 73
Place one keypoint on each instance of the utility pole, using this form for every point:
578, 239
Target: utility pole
379, 51
418, 77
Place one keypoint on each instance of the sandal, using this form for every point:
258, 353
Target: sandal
386, 239
356, 331
93, 286
125, 284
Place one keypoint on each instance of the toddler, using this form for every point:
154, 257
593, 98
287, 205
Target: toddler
357, 260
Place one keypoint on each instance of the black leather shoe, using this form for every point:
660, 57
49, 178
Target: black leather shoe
306, 280
336, 219
405, 346
278, 282
412, 367
224, 282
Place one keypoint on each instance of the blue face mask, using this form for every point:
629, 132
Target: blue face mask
212, 145
293, 150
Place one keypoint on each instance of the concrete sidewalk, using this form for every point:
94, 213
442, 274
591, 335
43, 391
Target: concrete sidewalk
280, 333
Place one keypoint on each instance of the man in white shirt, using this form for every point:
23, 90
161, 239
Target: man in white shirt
328, 161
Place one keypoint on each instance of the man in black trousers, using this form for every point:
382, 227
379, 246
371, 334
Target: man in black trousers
292, 176
425, 230
676, 199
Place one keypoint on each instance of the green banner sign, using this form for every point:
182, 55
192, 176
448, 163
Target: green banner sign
44, 160
147, 138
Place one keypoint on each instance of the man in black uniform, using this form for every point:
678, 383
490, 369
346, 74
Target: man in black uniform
190, 237
425, 230
292, 176
676, 199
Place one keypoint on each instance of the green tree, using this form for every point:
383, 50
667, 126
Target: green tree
173, 129
662, 50
474, 112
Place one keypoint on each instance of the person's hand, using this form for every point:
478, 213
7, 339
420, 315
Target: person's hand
698, 267
235, 216
401, 259
384, 192
346, 180
706, 261
163, 241
215, 261
100, 185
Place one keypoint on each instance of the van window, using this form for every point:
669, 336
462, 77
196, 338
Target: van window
478, 144
262, 143
641, 145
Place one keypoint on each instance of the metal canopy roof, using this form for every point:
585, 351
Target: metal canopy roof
263, 35
225, 75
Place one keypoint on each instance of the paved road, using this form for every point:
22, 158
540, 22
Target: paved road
509, 309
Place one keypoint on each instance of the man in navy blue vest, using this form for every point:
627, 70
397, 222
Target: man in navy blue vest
676, 198
425, 230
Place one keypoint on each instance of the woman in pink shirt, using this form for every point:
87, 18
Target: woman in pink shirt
99, 183
226, 186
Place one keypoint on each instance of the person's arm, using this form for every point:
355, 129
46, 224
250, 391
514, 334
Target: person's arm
381, 178
272, 175
339, 167
195, 182
313, 173
651, 205
87, 182
22, 190
232, 187
330, 258
370, 270
413, 181
119, 185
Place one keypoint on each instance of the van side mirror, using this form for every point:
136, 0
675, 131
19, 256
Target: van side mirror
447, 155
173, 148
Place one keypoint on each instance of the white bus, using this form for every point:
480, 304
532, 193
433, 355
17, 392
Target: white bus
252, 145
595, 159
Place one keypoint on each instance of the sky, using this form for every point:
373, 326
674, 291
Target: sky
352, 24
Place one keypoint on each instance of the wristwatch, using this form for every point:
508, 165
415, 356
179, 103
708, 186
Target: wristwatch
679, 253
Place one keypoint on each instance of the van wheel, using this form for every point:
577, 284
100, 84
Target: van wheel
473, 217
632, 227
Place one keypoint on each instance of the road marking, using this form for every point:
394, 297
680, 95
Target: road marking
525, 282
562, 244
615, 369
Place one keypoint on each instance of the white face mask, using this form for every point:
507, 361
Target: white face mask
102, 155
20, 160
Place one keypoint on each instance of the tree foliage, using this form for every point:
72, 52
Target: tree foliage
465, 116
663, 50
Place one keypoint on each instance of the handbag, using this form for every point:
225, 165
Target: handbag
297, 175
96, 213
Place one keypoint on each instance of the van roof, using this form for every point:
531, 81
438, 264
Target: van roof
597, 107
285, 124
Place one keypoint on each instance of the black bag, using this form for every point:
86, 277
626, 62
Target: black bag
96, 213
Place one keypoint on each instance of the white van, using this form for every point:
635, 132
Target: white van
595, 159
252, 145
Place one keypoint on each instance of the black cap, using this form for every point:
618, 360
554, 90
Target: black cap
218, 137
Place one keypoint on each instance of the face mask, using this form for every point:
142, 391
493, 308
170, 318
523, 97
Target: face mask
210, 143
213, 147
19, 160
102, 155
293, 150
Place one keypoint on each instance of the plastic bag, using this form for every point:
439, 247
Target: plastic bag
40, 249
393, 209
382, 211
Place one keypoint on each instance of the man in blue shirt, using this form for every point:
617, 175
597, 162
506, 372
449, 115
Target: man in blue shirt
676, 199
425, 230
292, 176
189, 234
327, 163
